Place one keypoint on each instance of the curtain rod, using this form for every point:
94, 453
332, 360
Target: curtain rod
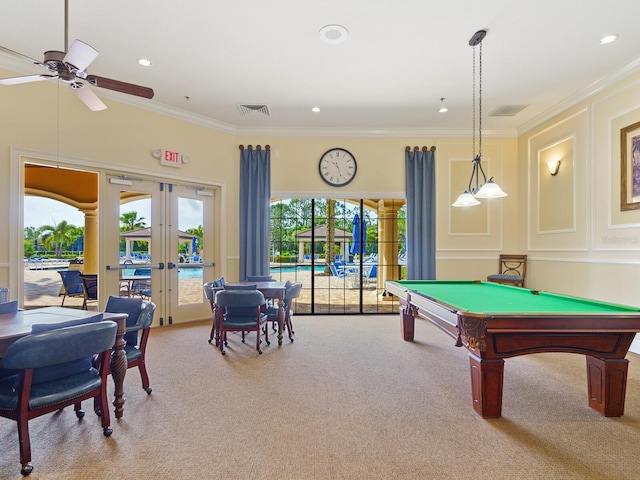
258, 147
417, 149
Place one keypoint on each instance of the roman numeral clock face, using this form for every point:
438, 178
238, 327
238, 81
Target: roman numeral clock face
338, 167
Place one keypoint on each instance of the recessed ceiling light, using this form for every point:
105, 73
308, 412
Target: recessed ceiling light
333, 34
144, 62
608, 39
315, 109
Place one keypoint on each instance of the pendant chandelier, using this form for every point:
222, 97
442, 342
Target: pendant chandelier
476, 189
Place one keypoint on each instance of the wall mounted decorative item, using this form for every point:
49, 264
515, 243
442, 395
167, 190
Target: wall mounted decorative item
630, 167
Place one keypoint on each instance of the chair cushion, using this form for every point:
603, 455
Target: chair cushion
130, 306
55, 372
50, 392
240, 321
503, 276
218, 283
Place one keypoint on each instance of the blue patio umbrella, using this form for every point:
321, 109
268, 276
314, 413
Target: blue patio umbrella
35, 244
80, 246
194, 245
359, 235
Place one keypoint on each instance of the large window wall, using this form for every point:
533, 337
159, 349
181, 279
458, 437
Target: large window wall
341, 250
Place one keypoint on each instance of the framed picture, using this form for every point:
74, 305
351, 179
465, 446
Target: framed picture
630, 167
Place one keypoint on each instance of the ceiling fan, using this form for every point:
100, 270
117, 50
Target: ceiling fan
70, 67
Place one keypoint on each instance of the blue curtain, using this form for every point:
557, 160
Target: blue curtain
255, 196
420, 174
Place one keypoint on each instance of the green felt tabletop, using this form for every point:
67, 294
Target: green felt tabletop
488, 297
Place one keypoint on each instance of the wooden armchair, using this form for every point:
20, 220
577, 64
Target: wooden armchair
54, 371
239, 311
139, 321
511, 271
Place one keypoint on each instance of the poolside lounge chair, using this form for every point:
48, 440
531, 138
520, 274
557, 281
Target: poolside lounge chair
338, 269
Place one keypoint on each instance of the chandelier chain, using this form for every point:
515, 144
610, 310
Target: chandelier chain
474, 103
480, 105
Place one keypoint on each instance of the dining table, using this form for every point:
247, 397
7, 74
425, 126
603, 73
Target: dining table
18, 324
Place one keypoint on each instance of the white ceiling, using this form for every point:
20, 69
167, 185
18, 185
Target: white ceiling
401, 57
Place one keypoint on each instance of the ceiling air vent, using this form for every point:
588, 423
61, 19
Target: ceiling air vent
254, 109
507, 110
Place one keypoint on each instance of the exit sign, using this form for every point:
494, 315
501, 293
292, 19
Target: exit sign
173, 159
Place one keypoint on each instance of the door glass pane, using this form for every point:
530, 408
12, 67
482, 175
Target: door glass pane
135, 244
190, 248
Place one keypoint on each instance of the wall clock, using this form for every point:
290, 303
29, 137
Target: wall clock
337, 167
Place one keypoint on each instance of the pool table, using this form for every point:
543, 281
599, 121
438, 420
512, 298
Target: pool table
494, 322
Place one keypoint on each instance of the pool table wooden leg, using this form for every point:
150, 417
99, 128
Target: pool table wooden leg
486, 385
607, 382
407, 322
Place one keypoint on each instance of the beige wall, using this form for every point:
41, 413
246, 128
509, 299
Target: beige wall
570, 225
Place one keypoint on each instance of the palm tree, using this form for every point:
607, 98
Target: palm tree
130, 221
330, 254
58, 236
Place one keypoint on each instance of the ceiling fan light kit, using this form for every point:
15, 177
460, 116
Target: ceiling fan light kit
70, 67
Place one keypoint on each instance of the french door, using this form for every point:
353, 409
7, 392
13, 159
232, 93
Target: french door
159, 244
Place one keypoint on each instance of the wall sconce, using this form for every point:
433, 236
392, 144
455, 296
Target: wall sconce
554, 166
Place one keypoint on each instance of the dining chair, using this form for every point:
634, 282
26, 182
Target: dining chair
9, 307
292, 291
239, 311
41, 386
140, 317
512, 270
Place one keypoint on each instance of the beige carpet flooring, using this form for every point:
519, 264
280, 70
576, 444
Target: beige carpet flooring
347, 400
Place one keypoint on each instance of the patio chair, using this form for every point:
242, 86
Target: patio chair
239, 311
89, 289
338, 269
71, 284
142, 287
54, 371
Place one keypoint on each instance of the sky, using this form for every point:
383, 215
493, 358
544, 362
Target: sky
40, 211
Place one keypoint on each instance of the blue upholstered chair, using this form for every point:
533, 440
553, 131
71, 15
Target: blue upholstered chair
71, 284
139, 321
210, 290
239, 311
292, 291
9, 307
54, 371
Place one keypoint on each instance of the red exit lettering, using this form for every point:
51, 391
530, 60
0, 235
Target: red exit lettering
171, 157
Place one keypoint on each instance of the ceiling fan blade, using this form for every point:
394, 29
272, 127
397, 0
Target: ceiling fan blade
25, 79
119, 86
89, 98
19, 55
80, 56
